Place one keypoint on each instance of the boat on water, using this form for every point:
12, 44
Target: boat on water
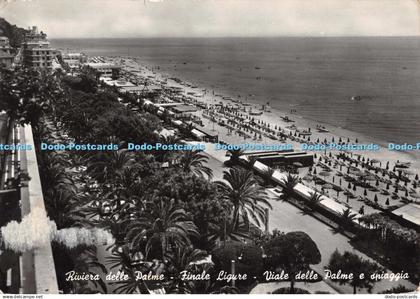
322, 129
356, 98
252, 112
402, 165
287, 119
292, 127
304, 133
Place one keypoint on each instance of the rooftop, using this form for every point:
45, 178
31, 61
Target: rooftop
207, 131
98, 65
410, 212
184, 108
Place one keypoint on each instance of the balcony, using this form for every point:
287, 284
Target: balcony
32, 272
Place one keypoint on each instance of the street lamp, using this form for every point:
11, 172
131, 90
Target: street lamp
233, 268
232, 271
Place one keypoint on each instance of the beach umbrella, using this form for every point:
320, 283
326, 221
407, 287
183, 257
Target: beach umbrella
349, 186
375, 161
365, 193
355, 171
387, 202
307, 178
415, 195
327, 186
324, 173
354, 188
338, 189
369, 177
375, 199
408, 172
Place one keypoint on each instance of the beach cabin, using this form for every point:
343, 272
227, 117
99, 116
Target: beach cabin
209, 136
131, 89
285, 157
183, 111
408, 215
197, 134
103, 69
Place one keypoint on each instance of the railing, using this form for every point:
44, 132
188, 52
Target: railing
33, 271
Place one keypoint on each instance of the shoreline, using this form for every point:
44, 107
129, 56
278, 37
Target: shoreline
300, 121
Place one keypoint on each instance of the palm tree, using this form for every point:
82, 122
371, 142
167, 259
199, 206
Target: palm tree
185, 260
123, 262
167, 156
160, 228
54, 174
249, 200
226, 231
314, 200
267, 175
128, 183
64, 208
107, 165
194, 162
251, 161
289, 184
235, 154
347, 217
226, 290
87, 262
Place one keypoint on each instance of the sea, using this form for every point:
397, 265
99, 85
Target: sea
368, 85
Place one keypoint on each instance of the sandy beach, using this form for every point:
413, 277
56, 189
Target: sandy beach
357, 199
274, 118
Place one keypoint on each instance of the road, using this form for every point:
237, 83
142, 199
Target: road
286, 217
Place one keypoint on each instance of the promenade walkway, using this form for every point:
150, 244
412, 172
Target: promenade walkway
286, 217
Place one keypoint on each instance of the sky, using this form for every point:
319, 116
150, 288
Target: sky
215, 18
